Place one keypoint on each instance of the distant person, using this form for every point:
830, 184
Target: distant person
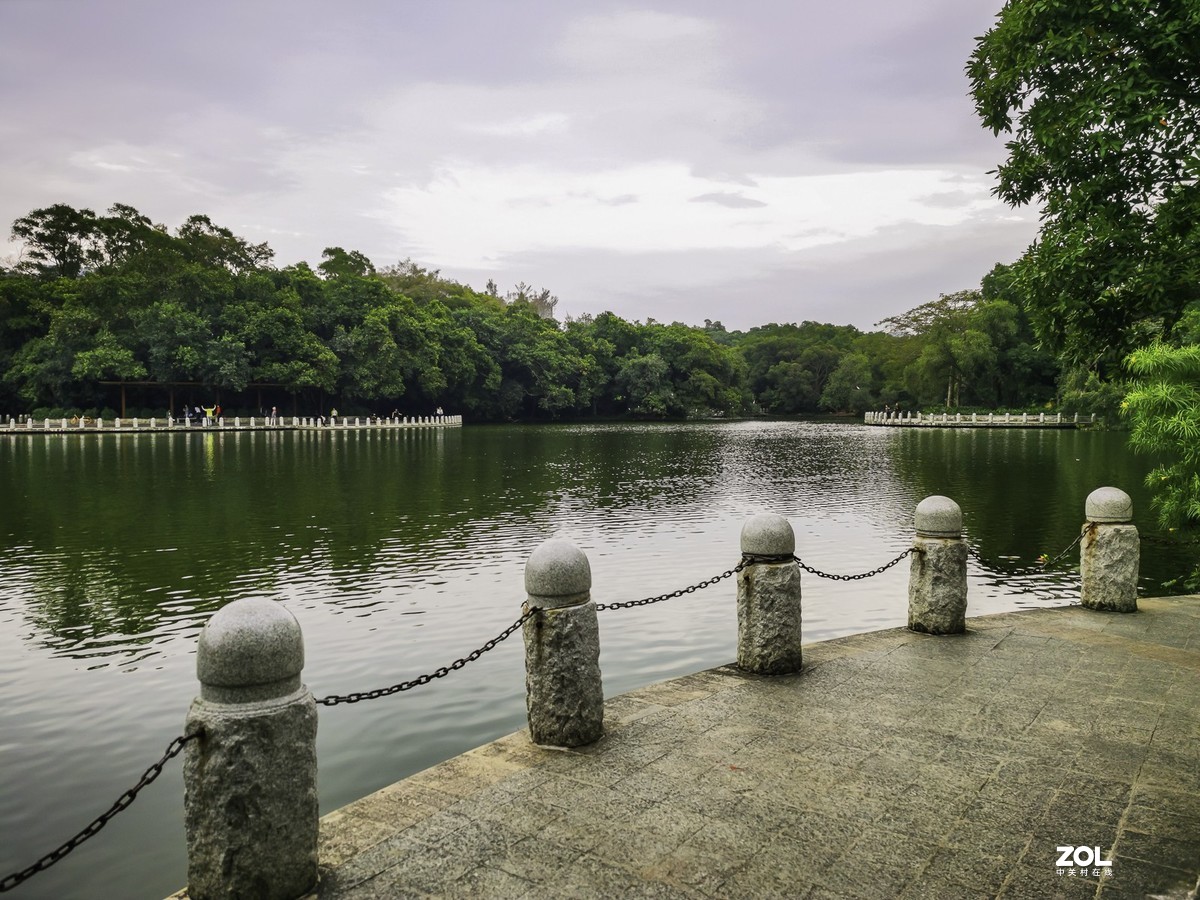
209, 412
439, 412
274, 416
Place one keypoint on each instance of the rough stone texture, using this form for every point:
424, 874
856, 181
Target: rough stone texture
938, 517
937, 586
557, 574
897, 766
1109, 556
250, 799
769, 620
1108, 504
564, 695
768, 535
251, 649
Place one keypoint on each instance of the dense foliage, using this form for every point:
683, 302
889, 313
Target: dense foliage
1163, 406
200, 315
1102, 105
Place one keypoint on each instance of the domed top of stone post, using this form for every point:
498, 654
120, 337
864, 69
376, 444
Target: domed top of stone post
1108, 504
250, 650
557, 574
768, 535
938, 517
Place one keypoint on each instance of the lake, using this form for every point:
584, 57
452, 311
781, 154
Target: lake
401, 551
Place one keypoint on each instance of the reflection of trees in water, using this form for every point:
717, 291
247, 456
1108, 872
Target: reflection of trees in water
129, 539
122, 541
1022, 491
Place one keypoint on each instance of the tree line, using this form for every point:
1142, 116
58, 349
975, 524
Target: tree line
94, 300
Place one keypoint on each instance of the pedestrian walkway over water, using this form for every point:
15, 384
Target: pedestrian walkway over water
30, 425
978, 420
896, 764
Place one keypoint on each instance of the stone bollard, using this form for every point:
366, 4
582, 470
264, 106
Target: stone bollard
937, 581
768, 598
250, 782
564, 695
1109, 552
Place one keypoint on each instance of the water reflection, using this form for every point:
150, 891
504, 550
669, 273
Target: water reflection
133, 540
400, 551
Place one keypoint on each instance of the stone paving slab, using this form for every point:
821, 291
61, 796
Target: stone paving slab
895, 765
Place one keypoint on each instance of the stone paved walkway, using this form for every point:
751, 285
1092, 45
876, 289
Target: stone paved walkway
895, 765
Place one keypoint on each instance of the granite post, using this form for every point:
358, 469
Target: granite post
768, 598
1109, 552
250, 782
937, 581
564, 695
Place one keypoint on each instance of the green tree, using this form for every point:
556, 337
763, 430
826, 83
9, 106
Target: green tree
787, 366
849, 387
1102, 103
645, 384
205, 242
705, 376
1163, 408
337, 262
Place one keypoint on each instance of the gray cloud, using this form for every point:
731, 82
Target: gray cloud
733, 201
296, 123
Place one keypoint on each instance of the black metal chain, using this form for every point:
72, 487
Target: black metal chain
883, 568
122, 803
437, 673
629, 604
1042, 562
1070, 547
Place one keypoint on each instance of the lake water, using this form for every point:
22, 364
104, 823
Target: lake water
401, 551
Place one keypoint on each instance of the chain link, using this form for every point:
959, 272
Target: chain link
420, 680
122, 803
883, 568
1041, 565
629, 604
1075, 543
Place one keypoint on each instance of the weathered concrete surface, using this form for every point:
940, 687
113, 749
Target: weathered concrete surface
937, 586
1109, 556
250, 785
564, 694
769, 618
770, 634
896, 765
251, 798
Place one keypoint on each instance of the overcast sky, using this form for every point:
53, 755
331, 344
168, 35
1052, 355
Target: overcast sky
738, 161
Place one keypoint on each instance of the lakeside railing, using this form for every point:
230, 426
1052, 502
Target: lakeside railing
980, 420
224, 423
249, 742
